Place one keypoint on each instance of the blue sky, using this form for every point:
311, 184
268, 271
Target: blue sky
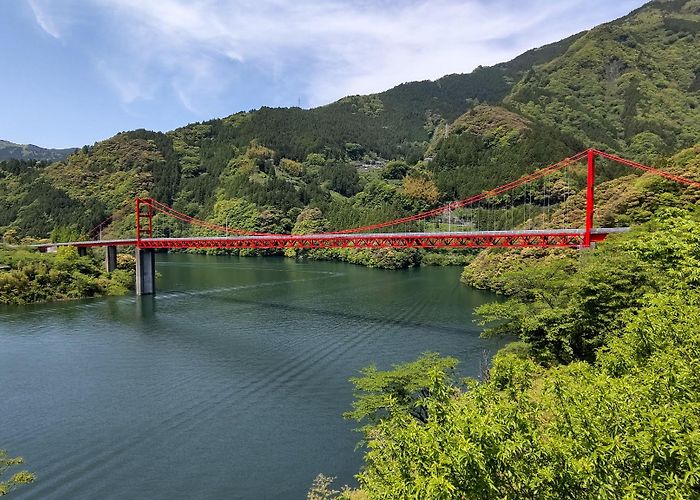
78, 71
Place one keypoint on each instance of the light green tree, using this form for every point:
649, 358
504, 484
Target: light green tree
619, 422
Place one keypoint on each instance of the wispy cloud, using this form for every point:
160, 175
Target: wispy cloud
324, 49
43, 19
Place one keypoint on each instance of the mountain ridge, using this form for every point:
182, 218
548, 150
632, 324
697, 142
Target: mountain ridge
12, 151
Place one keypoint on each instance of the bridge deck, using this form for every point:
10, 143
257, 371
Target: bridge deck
461, 239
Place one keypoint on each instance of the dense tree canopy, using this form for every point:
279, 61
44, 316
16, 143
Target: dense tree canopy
621, 423
27, 276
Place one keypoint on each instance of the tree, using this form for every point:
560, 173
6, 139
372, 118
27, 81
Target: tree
354, 150
342, 178
395, 169
236, 213
321, 489
293, 168
37, 277
10, 236
17, 479
622, 427
403, 389
315, 159
69, 233
420, 188
564, 308
309, 221
620, 424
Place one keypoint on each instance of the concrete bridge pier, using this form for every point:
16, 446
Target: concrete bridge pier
110, 258
145, 271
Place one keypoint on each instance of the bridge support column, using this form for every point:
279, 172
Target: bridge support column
110, 258
590, 182
82, 251
145, 271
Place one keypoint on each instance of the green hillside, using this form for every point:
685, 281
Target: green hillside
632, 85
489, 146
395, 123
12, 151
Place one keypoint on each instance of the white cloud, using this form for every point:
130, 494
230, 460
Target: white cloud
331, 48
43, 20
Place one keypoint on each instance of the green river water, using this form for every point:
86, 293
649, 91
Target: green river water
229, 383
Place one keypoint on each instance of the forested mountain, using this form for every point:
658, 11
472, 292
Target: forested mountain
632, 85
629, 86
395, 123
10, 151
490, 145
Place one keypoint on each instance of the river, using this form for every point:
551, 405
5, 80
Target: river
230, 383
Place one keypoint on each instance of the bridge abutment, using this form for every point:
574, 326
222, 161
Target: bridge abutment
145, 271
110, 258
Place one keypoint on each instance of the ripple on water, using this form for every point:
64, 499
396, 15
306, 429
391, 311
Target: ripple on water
230, 383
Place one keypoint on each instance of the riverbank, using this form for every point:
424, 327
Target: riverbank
28, 277
380, 258
389, 258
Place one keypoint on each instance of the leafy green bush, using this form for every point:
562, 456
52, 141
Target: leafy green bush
27, 276
622, 424
565, 307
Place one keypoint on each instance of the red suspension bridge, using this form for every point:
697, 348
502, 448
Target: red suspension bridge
523, 207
